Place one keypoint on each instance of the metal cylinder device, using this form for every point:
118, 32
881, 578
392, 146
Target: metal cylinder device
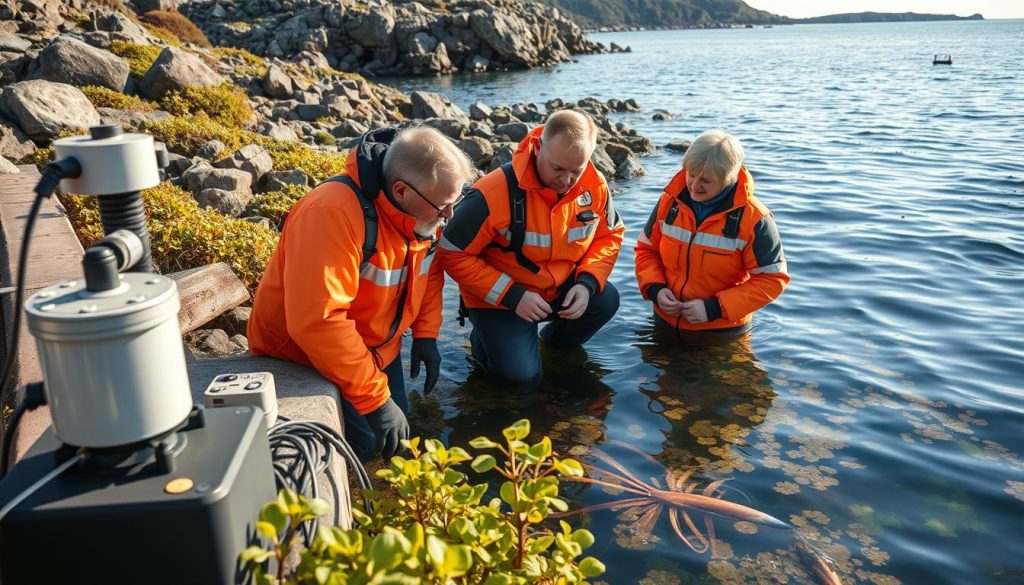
116, 166
112, 360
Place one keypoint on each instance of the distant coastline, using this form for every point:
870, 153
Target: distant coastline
853, 17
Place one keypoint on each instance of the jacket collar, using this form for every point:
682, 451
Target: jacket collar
741, 191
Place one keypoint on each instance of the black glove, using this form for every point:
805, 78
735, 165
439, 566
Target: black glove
424, 350
389, 424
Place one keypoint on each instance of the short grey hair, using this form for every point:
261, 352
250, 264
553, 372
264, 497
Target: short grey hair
717, 153
577, 126
424, 155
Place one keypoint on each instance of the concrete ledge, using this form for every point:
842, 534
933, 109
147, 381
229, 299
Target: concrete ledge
302, 394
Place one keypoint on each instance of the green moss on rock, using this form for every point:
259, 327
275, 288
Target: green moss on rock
139, 57
224, 103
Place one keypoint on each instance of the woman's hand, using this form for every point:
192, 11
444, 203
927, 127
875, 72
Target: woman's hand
668, 302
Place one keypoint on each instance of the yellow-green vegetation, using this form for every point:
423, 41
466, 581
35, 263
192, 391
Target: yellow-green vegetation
103, 97
317, 165
275, 205
185, 134
175, 25
254, 65
139, 57
183, 235
324, 137
224, 103
433, 527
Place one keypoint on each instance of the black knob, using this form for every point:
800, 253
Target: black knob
104, 131
100, 266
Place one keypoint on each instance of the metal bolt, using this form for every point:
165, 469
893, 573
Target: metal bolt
88, 309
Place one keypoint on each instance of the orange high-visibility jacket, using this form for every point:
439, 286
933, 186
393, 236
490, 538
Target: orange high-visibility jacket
316, 304
735, 275
567, 249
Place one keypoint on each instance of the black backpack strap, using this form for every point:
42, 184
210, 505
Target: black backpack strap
732, 223
369, 216
517, 227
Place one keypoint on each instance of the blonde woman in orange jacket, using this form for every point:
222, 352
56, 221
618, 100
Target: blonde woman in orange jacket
327, 302
569, 238
710, 254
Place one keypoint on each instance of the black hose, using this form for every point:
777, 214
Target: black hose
127, 212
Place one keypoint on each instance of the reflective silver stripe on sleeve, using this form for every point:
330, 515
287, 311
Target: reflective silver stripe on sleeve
719, 242
493, 296
445, 244
675, 232
380, 276
425, 267
643, 238
778, 267
530, 238
582, 232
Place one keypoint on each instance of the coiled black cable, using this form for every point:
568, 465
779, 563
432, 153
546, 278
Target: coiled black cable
301, 451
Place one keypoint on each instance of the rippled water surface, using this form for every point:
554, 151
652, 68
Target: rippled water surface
877, 405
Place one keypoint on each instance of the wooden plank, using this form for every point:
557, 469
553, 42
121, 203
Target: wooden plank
206, 293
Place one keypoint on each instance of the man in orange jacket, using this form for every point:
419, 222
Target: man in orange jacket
535, 241
338, 297
710, 254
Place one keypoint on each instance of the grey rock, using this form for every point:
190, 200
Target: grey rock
349, 128
13, 142
638, 144
478, 149
279, 132
480, 111
661, 116
678, 146
603, 163
373, 28
211, 343
508, 35
234, 321
218, 11
241, 341
453, 128
477, 64
43, 108
555, 104
310, 112
211, 150
13, 43
130, 120
126, 28
277, 84
514, 130
629, 168
426, 104
481, 130
276, 180
502, 154
260, 221
338, 106
229, 203
617, 152
144, 6
175, 69
251, 158
7, 167
631, 105
203, 176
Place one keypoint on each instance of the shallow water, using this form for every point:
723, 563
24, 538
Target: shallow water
877, 405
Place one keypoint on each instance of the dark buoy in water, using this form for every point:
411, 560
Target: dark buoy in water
942, 60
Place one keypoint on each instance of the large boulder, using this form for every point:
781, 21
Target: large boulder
68, 60
13, 142
120, 26
426, 104
277, 84
372, 29
202, 176
175, 69
509, 36
12, 43
229, 203
44, 108
251, 158
478, 149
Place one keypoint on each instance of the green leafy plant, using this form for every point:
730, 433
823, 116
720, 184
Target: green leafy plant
103, 97
436, 529
139, 57
224, 103
275, 205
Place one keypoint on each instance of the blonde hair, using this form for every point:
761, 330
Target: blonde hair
717, 153
424, 155
577, 127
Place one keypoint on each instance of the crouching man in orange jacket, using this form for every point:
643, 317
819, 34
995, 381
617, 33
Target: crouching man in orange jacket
710, 254
535, 241
354, 269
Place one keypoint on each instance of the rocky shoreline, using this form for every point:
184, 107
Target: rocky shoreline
247, 135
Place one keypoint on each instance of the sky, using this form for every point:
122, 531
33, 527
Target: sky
806, 8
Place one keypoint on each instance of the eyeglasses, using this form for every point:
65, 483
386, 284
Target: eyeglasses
438, 210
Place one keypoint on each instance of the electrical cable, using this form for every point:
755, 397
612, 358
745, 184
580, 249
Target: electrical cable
33, 398
41, 482
301, 451
52, 175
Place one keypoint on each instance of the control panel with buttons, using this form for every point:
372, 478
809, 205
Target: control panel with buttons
253, 389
